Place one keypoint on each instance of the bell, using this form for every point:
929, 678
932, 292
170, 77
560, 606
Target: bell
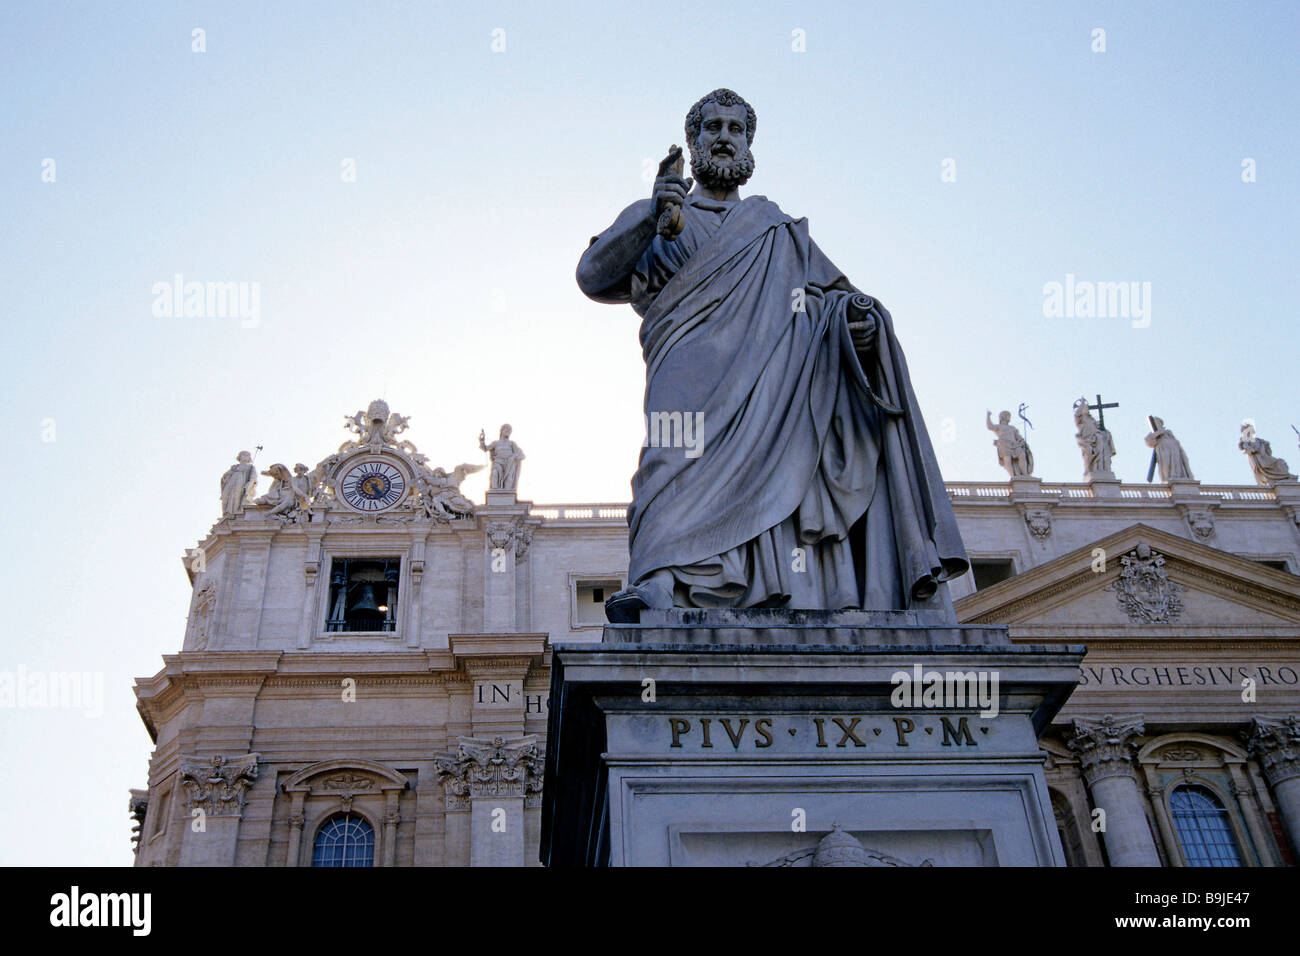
367, 600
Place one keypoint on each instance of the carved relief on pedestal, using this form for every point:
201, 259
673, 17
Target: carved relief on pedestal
1181, 754
205, 604
1039, 521
1201, 523
1275, 743
356, 782
502, 534
1105, 747
493, 768
217, 786
839, 848
1144, 590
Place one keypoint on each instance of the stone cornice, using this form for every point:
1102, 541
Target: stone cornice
1280, 636
479, 647
190, 676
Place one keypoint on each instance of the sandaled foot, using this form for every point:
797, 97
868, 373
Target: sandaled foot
625, 606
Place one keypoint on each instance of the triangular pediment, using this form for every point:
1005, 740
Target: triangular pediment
1148, 579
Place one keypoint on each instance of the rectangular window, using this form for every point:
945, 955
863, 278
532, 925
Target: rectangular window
1275, 564
363, 594
589, 600
989, 571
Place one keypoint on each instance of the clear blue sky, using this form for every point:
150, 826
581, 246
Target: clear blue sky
442, 278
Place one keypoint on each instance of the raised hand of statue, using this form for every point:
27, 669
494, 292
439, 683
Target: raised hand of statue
669, 194
862, 321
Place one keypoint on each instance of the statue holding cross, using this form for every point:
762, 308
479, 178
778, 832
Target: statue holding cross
1094, 440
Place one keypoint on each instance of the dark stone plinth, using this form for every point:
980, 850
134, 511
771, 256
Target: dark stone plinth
636, 781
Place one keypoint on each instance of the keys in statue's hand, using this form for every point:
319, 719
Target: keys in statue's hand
862, 318
670, 190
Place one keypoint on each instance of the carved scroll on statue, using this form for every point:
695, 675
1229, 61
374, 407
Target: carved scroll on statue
861, 304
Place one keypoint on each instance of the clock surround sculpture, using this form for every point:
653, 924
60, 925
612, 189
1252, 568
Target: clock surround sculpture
375, 476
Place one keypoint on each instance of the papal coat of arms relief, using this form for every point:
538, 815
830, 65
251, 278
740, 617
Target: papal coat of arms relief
1144, 590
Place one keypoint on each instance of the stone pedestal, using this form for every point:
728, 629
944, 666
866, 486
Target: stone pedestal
1104, 484
1026, 487
786, 738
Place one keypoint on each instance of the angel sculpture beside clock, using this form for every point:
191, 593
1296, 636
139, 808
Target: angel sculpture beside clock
373, 473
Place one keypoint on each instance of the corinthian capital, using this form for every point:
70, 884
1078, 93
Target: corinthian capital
1105, 747
1275, 743
217, 786
493, 768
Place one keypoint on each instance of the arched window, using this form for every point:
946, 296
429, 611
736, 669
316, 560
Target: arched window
344, 840
1204, 831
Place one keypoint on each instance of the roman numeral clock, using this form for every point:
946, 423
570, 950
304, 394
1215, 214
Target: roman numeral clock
372, 485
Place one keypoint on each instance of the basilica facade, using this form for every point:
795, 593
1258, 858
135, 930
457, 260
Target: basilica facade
364, 675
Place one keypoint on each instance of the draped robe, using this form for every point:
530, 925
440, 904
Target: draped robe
798, 446
1169, 454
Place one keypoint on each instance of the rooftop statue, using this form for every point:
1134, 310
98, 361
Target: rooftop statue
1094, 441
810, 481
506, 457
1268, 469
1168, 454
238, 485
1013, 451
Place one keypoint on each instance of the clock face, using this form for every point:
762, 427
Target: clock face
372, 486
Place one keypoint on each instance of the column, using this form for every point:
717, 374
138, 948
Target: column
507, 533
1275, 743
1168, 832
297, 820
414, 600
497, 778
308, 626
1248, 801
392, 817
214, 803
1105, 749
